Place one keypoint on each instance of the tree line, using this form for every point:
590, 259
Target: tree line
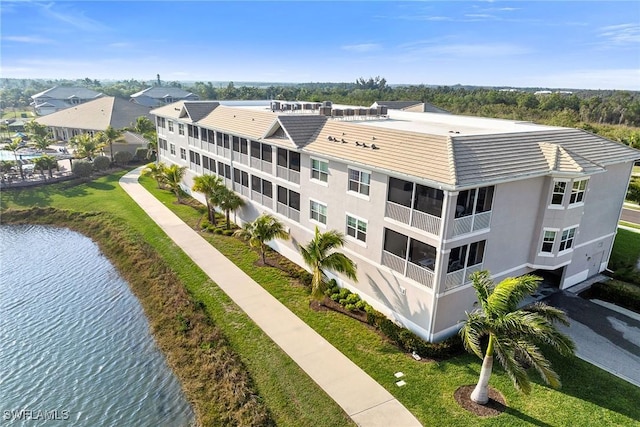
610, 113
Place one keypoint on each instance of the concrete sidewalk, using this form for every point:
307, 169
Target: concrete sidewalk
362, 398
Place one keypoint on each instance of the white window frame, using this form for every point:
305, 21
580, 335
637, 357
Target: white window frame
356, 229
183, 153
553, 193
359, 193
172, 149
181, 129
170, 125
578, 192
319, 172
555, 231
318, 213
566, 242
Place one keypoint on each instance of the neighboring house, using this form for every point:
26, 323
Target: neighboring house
415, 106
424, 199
59, 97
94, 116
160, 95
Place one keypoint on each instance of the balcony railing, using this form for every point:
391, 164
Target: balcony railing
460, 277
394, 262
288, 212
470, 223
262, 199
426, 222
398, 212
420, 275
223, 152
266, 167
241, 189
241, 158
288, 174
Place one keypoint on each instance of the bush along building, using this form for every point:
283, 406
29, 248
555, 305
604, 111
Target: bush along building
424, 199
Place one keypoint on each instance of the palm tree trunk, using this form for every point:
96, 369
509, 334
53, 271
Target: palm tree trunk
263, 254
111, 149
228, 221
481, 393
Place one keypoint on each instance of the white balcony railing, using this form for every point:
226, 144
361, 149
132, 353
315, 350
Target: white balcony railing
398, 212
288, 174
420, 275
426, 222
460, 277
470, 223
394, 262
287, 211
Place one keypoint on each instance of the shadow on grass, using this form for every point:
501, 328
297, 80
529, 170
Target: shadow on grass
524, 417
34, 196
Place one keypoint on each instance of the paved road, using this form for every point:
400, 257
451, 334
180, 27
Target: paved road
630, 215
603, 337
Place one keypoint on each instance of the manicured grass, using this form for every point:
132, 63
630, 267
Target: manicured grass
292, 397
626, 249
590, 395
630, 224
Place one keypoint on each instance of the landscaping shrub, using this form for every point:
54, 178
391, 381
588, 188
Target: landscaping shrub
82, 168
622, 294
141, 154
122, 157
101, 163
227, 232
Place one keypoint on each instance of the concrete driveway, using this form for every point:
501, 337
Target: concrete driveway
603, 337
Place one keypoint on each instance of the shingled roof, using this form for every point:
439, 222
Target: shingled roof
67, 92
97, 115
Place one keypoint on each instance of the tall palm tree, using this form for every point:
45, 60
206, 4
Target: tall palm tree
262, 230
46, 162
14, 145
514, 334
173, 177
41, 142
155, 171
208, 184
228, 201
110, 136
320, 255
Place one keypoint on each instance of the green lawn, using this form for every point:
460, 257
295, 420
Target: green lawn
589, 396
626, 248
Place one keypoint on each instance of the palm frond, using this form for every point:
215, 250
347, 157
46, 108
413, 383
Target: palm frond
481, 282
532, 355
341, 264
505, 351
472, 331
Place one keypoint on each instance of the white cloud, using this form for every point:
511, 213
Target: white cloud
71, 17
27, 39
362, 48
621, 34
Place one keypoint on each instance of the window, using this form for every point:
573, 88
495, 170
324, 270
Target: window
400, 192
428, 200
422, 254
162, 143
262, 186
319, 170
183, 154
172, 149
194, 157
193, 131
466, 256
566, 241
577, 191
359, 181
288, 159
548, 240
395, 243
289, 198
356, 228
161, 122
558, 192
209, 164
170, 126
474, 201
180, 128
319, 212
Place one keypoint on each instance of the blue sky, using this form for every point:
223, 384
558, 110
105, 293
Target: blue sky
569, 44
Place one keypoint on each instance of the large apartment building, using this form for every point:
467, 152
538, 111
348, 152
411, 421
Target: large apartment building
424, 199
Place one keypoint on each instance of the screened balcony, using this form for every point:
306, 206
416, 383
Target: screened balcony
463, 261
409, 257
473, 210
414, 204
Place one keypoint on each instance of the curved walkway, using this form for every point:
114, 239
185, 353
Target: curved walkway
362, 398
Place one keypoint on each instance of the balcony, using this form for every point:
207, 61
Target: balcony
461, 277
470, 223
398, 212
415, 218
413, 271
287, 211
262, 199
288, 174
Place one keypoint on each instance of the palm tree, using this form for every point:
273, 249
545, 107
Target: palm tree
155, 171
41, 142
262, 230
228, 201
110, 136
173, 177
208, 185
513, 334
86, 145
319, 255
14, 145
49, 162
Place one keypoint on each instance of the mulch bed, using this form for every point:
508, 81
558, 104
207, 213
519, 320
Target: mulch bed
493, 408
329, 304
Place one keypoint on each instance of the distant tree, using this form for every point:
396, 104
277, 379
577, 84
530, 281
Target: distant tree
513, 334
633, 193
86, 146
41, 142
14, 145
143, 125
320, 254
110, 135
36, 129
262, 230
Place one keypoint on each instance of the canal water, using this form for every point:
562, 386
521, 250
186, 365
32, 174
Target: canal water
75, 345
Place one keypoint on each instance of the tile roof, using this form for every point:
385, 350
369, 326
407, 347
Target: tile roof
301, 128
197, 110
160, 92
97, 114
65, 92
240, 121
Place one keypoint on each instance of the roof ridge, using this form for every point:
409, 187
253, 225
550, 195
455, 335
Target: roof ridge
452, 160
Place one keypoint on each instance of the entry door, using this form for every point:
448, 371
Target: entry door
594, 263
